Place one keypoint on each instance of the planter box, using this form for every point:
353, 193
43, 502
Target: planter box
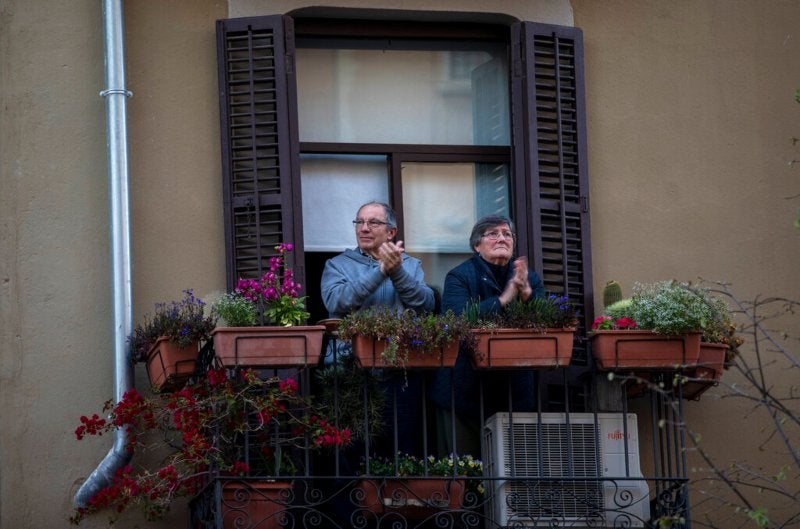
170, 366
710, 365
255, 504
266, 347
409, 497
507, 348
368, 353
644, 350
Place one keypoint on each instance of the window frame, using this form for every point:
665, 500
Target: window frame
548, 154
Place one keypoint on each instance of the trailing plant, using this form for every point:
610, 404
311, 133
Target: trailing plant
204, 425
406, 331
550, 311
183, 322
342, 388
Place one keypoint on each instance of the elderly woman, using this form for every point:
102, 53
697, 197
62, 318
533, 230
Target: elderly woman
492, 278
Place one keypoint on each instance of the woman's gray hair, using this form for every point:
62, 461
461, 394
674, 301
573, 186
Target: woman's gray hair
391, 219
486, 223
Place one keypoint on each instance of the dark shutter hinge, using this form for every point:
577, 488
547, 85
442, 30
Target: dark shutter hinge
584, 204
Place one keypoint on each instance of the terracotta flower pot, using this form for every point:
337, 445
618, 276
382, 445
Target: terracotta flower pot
255, 504
169, 366
638, 349
267, 347
369, 353
504, 348
710, 365
410, 497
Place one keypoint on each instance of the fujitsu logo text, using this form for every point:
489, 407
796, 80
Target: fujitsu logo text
617, 435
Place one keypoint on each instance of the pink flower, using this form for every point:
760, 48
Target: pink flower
625, 323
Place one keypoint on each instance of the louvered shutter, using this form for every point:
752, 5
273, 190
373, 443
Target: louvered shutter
549, 160
259, 144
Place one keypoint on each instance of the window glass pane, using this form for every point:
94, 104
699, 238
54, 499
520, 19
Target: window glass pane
333, 188
452, 97
441, 203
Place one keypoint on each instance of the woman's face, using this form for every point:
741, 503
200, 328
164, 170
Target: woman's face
496, 245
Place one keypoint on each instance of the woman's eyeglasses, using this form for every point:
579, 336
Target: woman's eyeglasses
495, 235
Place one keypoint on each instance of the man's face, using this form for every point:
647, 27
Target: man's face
370, 238
496, 245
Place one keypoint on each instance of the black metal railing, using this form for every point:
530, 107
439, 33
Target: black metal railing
577, 451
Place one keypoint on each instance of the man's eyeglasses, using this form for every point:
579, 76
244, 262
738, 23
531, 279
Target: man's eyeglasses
372, 223
495, 235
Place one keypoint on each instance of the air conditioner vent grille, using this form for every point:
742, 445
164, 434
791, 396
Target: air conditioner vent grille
566, 450
553, 499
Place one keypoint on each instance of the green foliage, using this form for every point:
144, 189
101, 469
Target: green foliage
183, 322
287, 311
550, 311
669, 307
620, 309
235, 310
408, 466
405, 331
759, 516
342, 387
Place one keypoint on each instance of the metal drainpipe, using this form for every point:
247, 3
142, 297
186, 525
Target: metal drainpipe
115, 95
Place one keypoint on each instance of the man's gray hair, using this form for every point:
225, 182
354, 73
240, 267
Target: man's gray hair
486, 223
391, 219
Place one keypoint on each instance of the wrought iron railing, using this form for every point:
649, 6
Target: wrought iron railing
583, 451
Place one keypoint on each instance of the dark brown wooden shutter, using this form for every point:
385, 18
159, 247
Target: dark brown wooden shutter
549, 160
259, 144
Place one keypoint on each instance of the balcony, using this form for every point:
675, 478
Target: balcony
576, 450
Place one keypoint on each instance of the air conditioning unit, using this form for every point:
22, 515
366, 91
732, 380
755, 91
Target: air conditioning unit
546, 458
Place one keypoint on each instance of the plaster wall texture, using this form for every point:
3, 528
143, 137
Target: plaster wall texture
690, 112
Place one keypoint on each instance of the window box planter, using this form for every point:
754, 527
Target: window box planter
168, 365
268, 347
639, 349
410, 497
507, 348
708, 371
368, 352
258, 503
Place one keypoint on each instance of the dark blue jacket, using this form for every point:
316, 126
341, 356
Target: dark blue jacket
468, 282
472, 280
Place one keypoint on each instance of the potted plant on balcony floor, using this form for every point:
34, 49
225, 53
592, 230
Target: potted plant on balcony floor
418, 488
262, 322
384, 338
659, 328
222, 432
537, 333
168, 341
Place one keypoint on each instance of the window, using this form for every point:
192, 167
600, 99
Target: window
313, 110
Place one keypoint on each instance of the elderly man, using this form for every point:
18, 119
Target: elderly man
378, 272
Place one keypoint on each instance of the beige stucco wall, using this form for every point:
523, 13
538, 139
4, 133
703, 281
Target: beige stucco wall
690, 112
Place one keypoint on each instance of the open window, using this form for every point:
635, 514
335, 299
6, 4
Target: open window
445, 121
